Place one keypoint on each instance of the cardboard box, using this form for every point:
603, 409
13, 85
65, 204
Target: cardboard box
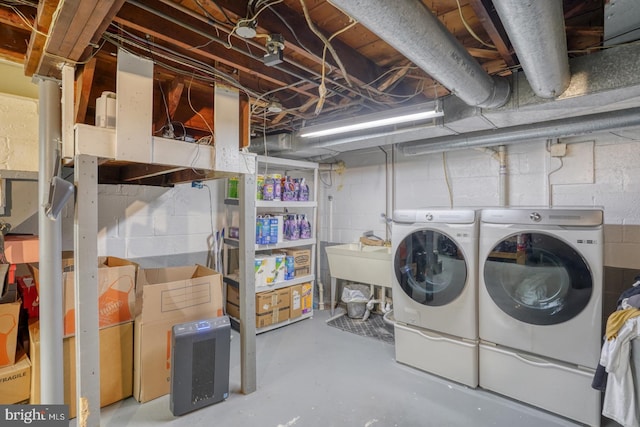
307, 298
233, 310
165, 297
301, 257
29, 295
116, 291
267, 302
15, 380
21, 249
276, 316
233, 295
116, 365
295, 298
9, 316
302, 271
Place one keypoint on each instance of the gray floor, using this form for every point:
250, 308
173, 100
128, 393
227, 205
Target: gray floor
313, 375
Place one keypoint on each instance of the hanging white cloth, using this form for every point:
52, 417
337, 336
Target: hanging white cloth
619, 398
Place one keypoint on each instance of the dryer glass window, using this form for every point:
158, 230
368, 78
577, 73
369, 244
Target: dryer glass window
430, 267
538, 278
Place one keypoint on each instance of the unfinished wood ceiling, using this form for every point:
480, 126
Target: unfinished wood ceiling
332, 66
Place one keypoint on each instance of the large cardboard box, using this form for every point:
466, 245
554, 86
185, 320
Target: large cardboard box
116, 365
15, 380
307, 298
267, 302
116, 291
301, 257
9, 316
165, 297
277, 315
295, 297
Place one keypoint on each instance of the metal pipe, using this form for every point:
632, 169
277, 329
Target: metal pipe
503, 191
50, 249
536, 30
411, 28
515, 134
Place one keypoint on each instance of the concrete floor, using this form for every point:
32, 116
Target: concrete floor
314, 375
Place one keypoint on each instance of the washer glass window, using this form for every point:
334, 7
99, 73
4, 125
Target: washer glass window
537, 278
430, 267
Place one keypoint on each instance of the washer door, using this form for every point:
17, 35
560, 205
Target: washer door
537, 278
430, 267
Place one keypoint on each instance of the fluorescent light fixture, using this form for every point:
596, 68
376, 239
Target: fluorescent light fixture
372, 121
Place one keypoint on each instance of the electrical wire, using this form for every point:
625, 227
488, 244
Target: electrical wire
212, 140
322, 89
317, 32
446, 179
469, 29
247, 21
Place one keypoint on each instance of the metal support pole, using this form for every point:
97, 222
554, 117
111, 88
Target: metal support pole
50, 252
85, 258
247, 192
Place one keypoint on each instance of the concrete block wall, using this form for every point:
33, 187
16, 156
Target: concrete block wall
598, 170
155, 226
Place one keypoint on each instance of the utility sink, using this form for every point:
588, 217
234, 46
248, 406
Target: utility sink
359, 263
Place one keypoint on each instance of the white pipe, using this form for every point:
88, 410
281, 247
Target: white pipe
50, 250
319, 256
503, 191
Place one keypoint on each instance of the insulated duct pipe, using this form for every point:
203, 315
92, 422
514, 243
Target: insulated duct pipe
536, 30
511, 135
414, 31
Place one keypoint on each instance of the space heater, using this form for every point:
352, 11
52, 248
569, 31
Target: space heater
199, 364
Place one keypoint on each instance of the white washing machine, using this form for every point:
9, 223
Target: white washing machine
435, 291
540, 307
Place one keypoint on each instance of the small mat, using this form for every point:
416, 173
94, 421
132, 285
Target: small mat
373, 327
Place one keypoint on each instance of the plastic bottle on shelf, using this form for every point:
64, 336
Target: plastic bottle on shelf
303, 194
305, 227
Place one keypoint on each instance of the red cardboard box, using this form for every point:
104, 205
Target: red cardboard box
29, 294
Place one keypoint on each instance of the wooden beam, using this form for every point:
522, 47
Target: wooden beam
77, 23
245, 116
394, 77
84, 82
35, 50
172, 95
160, 30
138, 171
488, 16
361, 69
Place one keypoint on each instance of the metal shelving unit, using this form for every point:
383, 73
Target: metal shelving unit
270, 165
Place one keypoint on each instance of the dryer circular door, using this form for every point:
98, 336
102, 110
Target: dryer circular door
430, 267
537, 278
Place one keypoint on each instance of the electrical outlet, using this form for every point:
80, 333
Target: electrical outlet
558, 150
196, 184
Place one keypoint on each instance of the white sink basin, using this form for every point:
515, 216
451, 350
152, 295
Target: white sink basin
360, 263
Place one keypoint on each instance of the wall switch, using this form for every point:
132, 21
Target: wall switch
558, 150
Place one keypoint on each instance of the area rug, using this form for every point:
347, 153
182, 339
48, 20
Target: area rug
373, 327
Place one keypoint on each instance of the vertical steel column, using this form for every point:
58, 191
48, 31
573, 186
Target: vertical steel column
85, 258
50, 252
247, 193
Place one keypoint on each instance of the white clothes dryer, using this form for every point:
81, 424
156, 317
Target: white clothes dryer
434, 288
540, 307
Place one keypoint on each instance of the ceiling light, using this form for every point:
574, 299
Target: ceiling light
371, 121
246, 29
274, 106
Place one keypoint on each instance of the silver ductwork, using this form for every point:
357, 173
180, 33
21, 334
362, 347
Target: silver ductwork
414, 31
511, 135
537, 33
